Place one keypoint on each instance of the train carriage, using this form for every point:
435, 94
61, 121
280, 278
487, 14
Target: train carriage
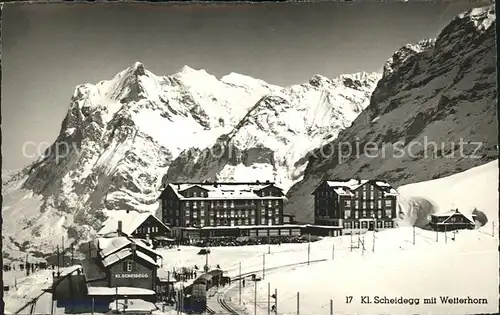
216, 277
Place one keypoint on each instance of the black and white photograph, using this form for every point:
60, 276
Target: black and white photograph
309, 158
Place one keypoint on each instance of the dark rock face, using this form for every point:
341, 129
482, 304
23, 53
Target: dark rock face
432, 114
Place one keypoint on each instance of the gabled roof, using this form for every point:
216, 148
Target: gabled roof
451, 213
131, 220
270, 185
124, 253
347, 187
92, 270
188, 186
108, 246
220, 191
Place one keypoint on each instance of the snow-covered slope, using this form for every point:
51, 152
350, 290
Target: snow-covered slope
120, 136
272, 140
474, 189
437, 94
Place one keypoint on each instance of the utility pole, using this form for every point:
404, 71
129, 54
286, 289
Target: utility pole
298, 303
269, 244
255, 298
62, 264
333, 251
308, 252
26, 266
493, 228
414, 235
57, 260
268, 298
351, 241
276, 298
116, 297
239, 299
263, 266
331, 307
445, 235
373, 242
72, 256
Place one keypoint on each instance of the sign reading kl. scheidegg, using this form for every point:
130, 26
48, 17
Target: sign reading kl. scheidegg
131, 276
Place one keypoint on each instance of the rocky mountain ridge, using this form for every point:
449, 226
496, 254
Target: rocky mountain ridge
432, 114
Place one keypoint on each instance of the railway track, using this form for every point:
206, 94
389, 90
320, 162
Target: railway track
220, 295
31, 305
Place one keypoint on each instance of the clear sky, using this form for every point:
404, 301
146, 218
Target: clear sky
48, 49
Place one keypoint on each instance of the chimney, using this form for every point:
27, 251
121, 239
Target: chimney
268, 182
257, 182
178, 186
119, 229
215, 184
128, 210
133, 246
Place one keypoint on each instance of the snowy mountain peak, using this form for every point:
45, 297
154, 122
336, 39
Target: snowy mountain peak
138, 68
318, 81
245, 81
482, 18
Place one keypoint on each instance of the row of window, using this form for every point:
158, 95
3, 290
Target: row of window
147, 230
226, 222
367, 213
227, 213
230, 204
365, 224
369, 204
357, 194
205, 194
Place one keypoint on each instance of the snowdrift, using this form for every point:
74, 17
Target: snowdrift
476, 188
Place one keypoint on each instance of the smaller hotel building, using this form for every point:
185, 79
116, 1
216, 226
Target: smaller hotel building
355, 205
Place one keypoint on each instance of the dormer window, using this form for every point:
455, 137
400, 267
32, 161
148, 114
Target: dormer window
127, 266
194, 193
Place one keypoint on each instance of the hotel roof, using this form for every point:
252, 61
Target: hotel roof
449, 214
347, 187
225, 190
131, 220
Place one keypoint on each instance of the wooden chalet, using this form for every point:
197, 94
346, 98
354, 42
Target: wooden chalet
136, 225
452, 220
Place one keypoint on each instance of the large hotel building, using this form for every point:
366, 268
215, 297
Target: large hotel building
222, 207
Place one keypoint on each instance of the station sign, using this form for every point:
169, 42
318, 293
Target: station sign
132, 276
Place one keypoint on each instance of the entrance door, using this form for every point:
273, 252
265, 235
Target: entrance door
371, 225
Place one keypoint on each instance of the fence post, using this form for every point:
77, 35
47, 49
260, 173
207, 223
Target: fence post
298, 303
239, 298
276, 298
268, 298
255, 299
308, 252
263, 266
